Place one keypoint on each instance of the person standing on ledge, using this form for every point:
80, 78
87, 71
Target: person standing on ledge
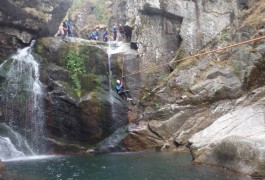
105, 35
114, 33
65, 28
97, 35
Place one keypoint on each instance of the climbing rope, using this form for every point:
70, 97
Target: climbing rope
197, 55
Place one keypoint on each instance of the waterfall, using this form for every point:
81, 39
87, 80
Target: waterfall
21, 106
12, 144
115, 121
109, 64
111, 98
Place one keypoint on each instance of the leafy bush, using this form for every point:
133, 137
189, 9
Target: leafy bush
75, 64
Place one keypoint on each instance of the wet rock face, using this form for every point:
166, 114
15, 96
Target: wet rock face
2, 166
75, 118
2, 170
24, 20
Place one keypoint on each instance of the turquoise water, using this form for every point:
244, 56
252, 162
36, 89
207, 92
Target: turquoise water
124, 166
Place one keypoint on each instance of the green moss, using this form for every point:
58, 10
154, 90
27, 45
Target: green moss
89, 82
165, 78
224, 36
236, 67
39, 48
157, 105
180, 54
85, 43
5, 68
69, 90
77, 84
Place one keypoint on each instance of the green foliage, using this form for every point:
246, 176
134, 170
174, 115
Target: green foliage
224, 36
39, 48
147, 95
77, 84
75, 64
157, 105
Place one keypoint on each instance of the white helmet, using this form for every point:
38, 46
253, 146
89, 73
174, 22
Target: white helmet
118, 81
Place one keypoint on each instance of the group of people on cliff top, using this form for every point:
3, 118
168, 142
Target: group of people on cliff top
65, 29
124, 31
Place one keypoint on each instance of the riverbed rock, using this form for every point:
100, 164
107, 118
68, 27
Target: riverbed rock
2, 166
234, 141
245, 155
141, 138
113, 143
2, 170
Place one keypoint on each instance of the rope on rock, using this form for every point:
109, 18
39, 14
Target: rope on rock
197, 55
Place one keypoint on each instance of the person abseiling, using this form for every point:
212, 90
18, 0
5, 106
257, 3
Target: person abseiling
120, 90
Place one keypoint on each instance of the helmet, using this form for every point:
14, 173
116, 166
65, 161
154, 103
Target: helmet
118, 81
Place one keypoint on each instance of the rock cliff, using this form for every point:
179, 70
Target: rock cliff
220, 92
22, 21
80, 108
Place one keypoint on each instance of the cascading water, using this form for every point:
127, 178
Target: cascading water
118, 108
111, 98
112, 49
21, 106
12, 144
